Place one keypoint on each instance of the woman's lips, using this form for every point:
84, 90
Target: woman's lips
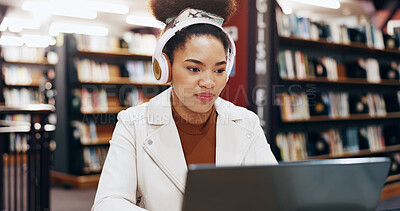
205, 97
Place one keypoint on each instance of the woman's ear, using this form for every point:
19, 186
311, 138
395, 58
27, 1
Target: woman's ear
169, 64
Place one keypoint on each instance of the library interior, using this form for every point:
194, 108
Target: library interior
323, 78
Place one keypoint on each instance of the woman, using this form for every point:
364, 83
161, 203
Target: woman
153, 143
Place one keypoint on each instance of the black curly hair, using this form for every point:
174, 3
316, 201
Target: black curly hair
163, 9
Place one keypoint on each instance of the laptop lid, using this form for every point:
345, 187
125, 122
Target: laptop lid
334, 184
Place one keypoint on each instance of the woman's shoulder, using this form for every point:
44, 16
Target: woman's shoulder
134, 113
234, 112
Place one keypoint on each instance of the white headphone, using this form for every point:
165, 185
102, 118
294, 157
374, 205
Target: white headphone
161, 66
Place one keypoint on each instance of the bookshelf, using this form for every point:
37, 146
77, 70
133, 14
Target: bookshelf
394, 115
101, 83
26, 154
335, 98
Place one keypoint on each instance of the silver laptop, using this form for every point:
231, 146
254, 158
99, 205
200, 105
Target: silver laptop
336, 184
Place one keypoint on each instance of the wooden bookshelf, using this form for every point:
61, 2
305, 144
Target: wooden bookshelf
112, 54
34, 85
392, 115
91, 171
324, 44
29, 63
32, 108
364, 152
110, 110
68, 180
121, 81
98, 141
393, 178
341, 81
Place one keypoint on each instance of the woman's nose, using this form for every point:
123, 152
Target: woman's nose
207, 80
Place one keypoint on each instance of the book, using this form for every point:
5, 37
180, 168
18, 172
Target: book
391, 134
292, 146
358, 104
389, 71
318, 105
318, 143
356, 69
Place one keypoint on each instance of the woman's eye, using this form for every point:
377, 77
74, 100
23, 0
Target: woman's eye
193, 69
220, 71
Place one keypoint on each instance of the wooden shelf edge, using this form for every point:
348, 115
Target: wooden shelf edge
390, 190
121, 81
390, 115
354, 46
32, 108
393, 178
64, 179
342, 81
110, 110
23, 85
118, 52
364, 152
99, 141
29, 63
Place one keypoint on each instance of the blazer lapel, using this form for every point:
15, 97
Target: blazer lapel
163, 145
233, 141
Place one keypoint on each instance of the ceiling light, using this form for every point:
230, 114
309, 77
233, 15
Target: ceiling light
59, 8
37, 41
332, 4
6, 40
59, 27
108, 7
287, 10
18, 24
144, 21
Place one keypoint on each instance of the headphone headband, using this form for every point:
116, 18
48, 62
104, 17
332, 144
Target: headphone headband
160, 64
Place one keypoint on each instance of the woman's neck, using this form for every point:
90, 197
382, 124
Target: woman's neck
188, 115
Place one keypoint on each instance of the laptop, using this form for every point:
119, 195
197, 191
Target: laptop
335, 184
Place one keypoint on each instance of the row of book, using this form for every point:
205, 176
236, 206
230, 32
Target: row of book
299, 146
139, 43
22, 96
18, 142
91, 71
85, 132
140, 71
305, 28
97, 43
302, 106
133, 97
25, 118
298, 65
93, 159
91, 100
20, 75
24, 54
135, 43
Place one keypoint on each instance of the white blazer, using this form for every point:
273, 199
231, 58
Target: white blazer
146, 159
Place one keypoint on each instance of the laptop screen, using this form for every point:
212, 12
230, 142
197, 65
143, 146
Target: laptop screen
334, 184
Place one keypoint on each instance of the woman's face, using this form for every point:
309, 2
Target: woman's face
198, 74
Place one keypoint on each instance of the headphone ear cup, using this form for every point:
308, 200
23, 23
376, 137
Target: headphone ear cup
168, 70
157, 69
161, 68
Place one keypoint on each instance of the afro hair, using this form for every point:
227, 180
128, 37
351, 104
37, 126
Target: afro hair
163, 9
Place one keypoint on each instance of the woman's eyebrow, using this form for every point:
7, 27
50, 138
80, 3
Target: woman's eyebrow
220, 63
201, 63
195, 61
